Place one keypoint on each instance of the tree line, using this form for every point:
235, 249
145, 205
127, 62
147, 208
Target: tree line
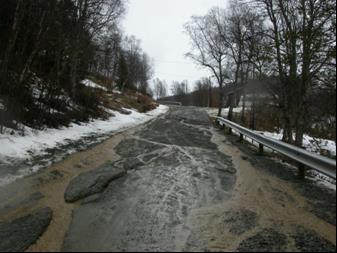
47, 47
289, 45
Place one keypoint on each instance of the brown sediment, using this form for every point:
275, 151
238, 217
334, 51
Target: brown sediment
53, 190
284, 209
52, 239
255, 191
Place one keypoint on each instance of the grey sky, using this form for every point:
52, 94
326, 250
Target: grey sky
159, 25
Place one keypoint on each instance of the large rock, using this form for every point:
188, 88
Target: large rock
92, 182
18, 235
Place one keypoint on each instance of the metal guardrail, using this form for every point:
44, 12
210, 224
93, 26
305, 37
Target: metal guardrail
319, 163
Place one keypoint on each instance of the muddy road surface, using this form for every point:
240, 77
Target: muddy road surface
174, 184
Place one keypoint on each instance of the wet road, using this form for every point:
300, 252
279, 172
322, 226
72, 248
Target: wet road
188, 188
148, 210
174, 184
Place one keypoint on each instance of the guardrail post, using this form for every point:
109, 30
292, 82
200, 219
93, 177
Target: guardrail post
261, 149
230, 131
217, 123
241, 137
301, 171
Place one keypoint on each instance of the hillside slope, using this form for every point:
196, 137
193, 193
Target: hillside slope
26, 150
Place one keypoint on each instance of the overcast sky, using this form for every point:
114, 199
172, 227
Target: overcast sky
159, 25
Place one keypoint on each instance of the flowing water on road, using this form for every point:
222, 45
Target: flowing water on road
190, 189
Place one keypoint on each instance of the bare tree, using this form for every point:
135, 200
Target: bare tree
139, 66
92, 18
202, 95
160, 88
107, 56
304, 44
245, 39
208, 47
180, 88
48, 47
145, 74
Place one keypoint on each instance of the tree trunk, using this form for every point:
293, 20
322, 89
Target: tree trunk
299, 134
301, 121
243, 107
231, 107
11, 43
221, 101
253, 113
36, 47
75, 61
287, 128
210, 97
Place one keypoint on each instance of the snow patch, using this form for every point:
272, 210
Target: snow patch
311, 144
36, 142
314, 176
16, 146
117, 92
322, 180
213, 112
91, 84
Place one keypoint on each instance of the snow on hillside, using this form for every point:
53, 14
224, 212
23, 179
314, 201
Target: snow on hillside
91, 84
311, 144
14, 148
36, 141
213, 112
315, 145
